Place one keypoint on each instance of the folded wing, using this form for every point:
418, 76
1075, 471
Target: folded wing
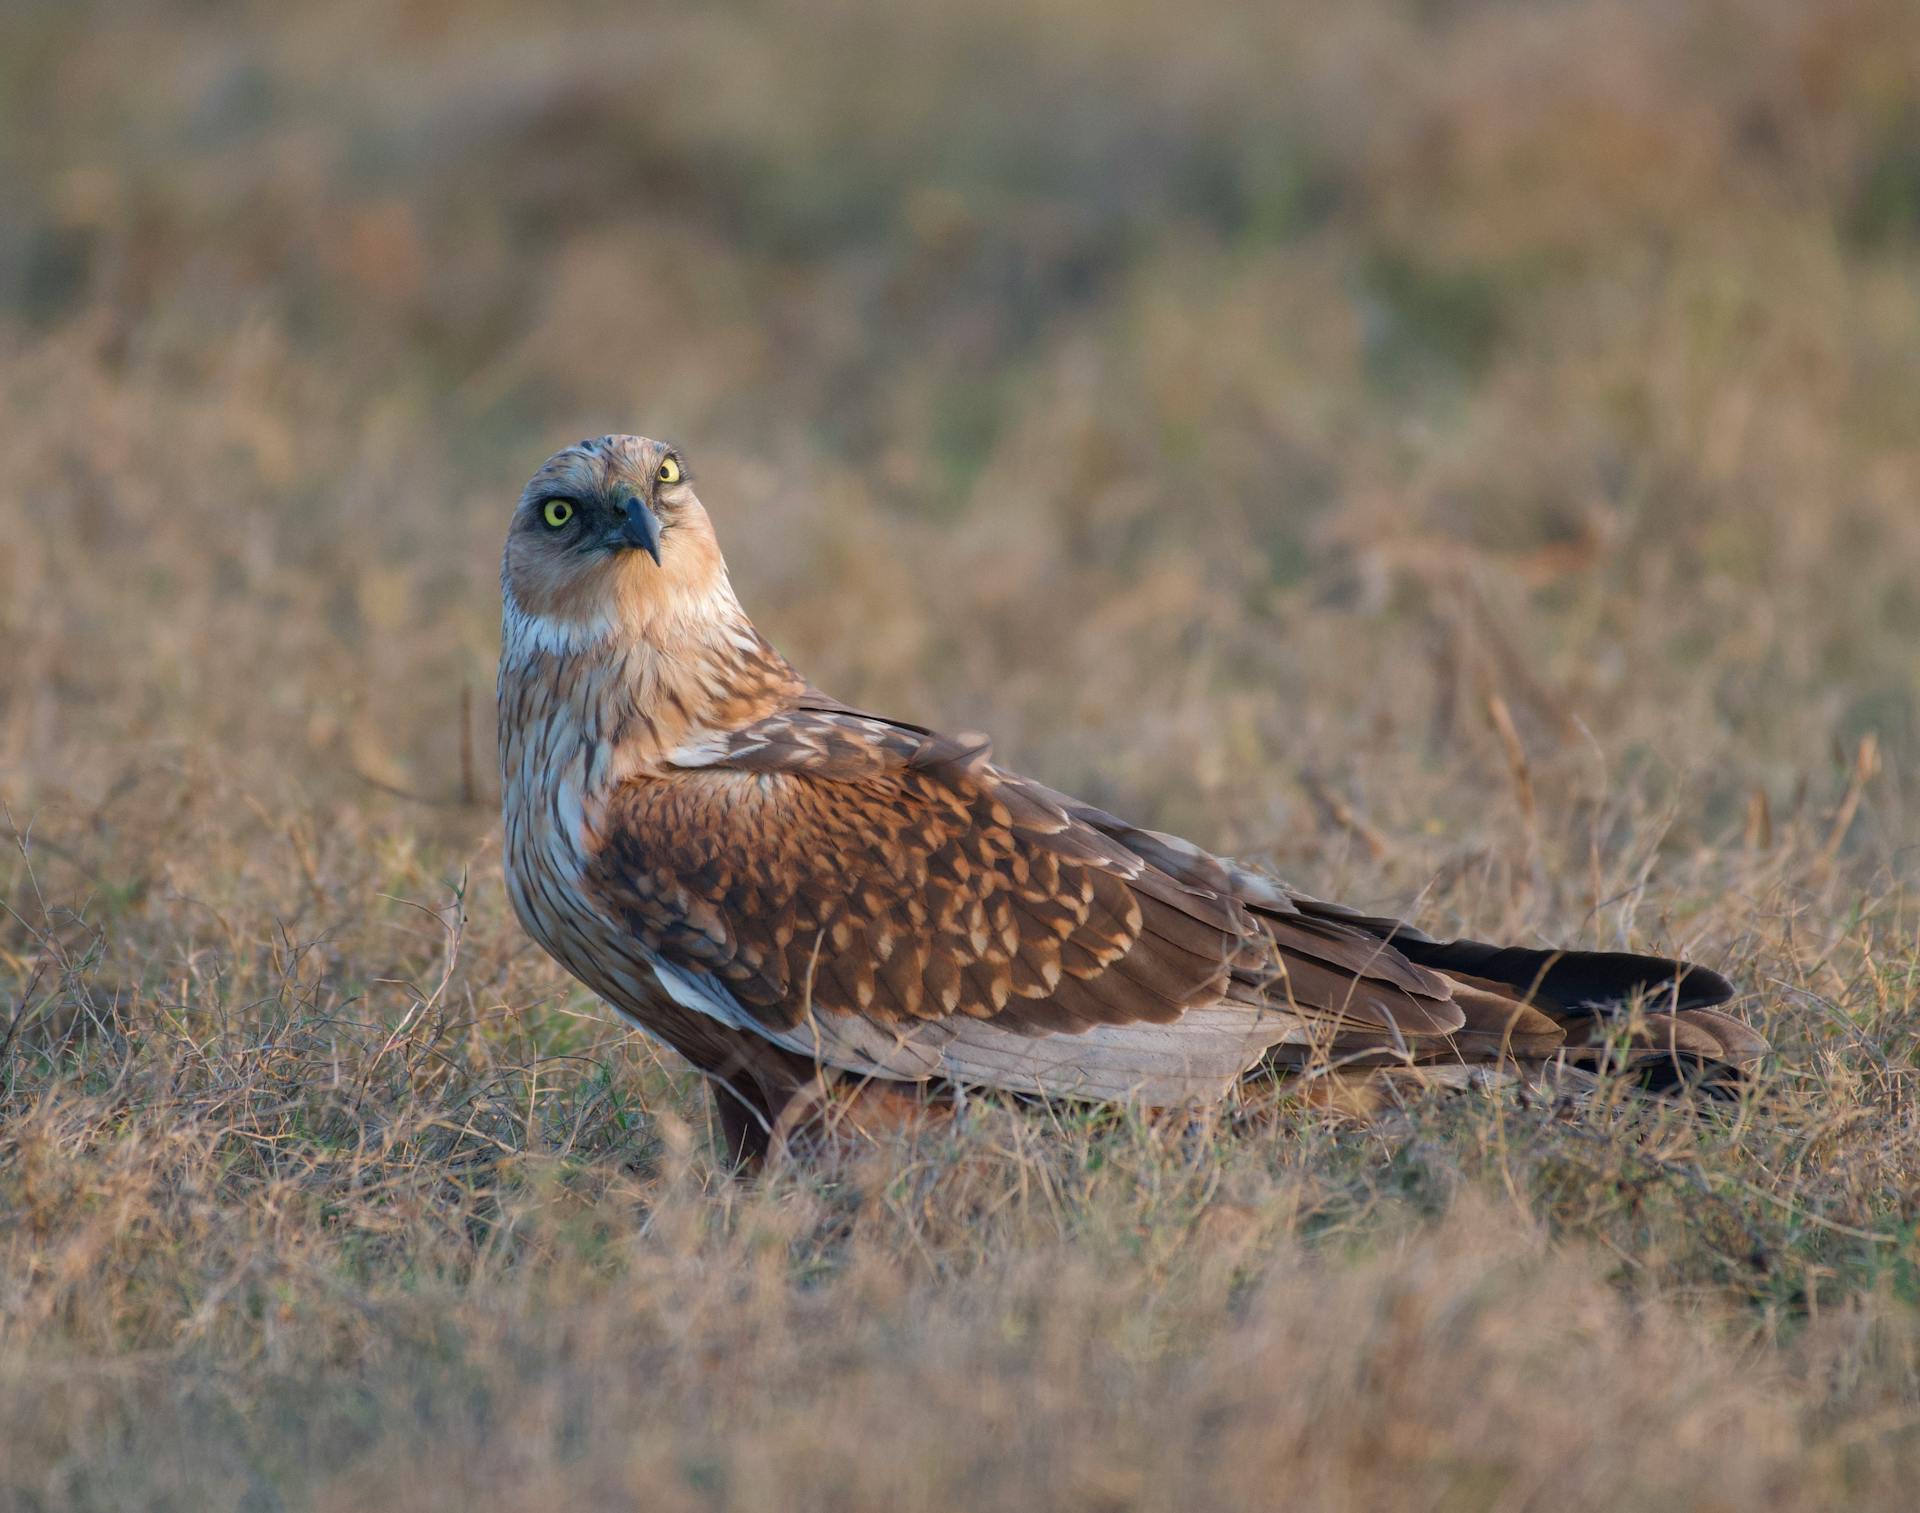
887, 901
890, 902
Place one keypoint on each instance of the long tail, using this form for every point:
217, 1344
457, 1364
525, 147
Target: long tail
1680, 1038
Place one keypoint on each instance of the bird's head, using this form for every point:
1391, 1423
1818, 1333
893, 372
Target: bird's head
609, 540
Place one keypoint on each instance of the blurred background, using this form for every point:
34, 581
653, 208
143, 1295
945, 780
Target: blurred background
1462, 453
1192, 397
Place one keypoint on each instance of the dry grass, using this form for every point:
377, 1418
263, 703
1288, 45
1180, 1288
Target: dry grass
1466, 455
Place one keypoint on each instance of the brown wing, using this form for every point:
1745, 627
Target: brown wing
823, 866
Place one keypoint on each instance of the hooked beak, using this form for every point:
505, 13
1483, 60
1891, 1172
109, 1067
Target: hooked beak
640, 527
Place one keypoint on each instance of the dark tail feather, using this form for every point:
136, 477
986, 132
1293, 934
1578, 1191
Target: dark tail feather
1577, 984
1678, 1041
1573, 983
1682, 1045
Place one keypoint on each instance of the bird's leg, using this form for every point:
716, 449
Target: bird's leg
760, 1122
835, 1112
772, 1103
810, 1104
753, 1083
744, 1126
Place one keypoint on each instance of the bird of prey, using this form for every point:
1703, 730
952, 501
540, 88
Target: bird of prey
799, 896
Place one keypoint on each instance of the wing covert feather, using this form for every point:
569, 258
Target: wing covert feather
824, 865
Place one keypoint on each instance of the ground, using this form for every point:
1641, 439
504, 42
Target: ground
1464, 456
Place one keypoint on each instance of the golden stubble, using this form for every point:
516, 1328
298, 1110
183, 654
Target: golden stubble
305, 1198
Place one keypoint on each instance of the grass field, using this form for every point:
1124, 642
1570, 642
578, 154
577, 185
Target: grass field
1464, 455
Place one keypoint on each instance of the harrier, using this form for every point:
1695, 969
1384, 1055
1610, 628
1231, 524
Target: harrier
818, 906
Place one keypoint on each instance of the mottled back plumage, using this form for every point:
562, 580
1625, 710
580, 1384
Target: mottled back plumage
792, 892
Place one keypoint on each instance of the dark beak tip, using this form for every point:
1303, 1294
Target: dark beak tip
642, 528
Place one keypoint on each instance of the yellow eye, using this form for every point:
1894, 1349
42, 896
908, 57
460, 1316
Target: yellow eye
669, 471
557, 512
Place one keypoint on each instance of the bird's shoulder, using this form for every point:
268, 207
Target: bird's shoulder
818, 736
